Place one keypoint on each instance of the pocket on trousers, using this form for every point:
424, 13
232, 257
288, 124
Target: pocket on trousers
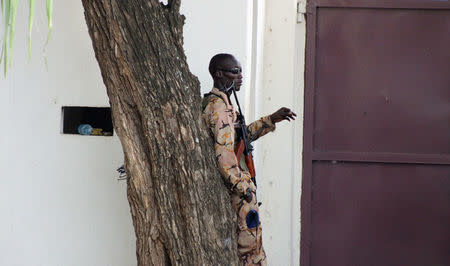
247, 241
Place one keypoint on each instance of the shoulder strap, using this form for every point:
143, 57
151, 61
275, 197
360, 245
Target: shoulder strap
207, 97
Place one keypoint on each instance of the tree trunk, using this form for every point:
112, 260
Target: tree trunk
180, 206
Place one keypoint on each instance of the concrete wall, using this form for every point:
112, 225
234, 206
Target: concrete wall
60, 201
279, 154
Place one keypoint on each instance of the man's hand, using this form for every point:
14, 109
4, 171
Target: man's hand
282, 114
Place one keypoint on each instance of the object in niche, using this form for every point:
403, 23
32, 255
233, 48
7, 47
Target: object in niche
97, 132
85, 129
93, 121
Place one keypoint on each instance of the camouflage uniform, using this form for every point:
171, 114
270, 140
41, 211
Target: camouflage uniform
220, 117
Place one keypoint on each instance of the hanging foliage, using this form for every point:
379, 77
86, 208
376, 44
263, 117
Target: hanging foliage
9, 12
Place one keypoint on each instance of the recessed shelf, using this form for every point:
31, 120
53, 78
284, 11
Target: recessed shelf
94, 121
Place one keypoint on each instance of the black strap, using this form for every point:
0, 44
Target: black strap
207, 96
211, 93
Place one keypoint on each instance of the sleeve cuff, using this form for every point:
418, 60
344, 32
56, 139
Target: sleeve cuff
266, 119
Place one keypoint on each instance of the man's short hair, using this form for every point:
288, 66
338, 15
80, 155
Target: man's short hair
216, 61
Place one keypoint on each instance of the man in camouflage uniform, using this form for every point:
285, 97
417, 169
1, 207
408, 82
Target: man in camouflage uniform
220, 117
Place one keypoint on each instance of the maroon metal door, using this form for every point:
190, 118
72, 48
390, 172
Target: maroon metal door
376, 160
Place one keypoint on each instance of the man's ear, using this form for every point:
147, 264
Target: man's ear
218, 74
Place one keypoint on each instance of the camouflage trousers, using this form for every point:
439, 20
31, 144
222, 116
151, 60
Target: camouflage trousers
250, 249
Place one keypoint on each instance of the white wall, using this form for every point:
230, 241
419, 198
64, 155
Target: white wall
60, 201
279, 154
214, 27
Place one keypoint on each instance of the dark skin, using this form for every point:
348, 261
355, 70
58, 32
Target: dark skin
224, 78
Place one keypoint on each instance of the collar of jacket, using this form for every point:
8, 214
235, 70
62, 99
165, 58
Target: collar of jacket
222, 95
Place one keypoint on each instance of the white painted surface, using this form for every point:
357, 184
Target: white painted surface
60, 201
279, 154
214, 27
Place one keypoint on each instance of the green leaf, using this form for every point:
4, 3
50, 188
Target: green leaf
49, 18
5, 50
12, 28
9, 12
50, 28
30, 25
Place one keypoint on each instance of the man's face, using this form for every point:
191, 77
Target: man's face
231, 71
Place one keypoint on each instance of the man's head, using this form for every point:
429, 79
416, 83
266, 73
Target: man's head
225, 69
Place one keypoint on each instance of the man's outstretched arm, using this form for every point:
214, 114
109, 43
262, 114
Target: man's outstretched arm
266, 124
260, 128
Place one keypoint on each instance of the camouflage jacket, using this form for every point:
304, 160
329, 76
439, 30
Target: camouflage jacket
220, 117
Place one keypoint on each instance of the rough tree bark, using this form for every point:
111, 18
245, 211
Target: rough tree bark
181, 210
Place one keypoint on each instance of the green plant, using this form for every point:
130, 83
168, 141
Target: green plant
9, 11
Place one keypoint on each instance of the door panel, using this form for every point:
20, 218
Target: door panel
376, 158
369, 212
382, 80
